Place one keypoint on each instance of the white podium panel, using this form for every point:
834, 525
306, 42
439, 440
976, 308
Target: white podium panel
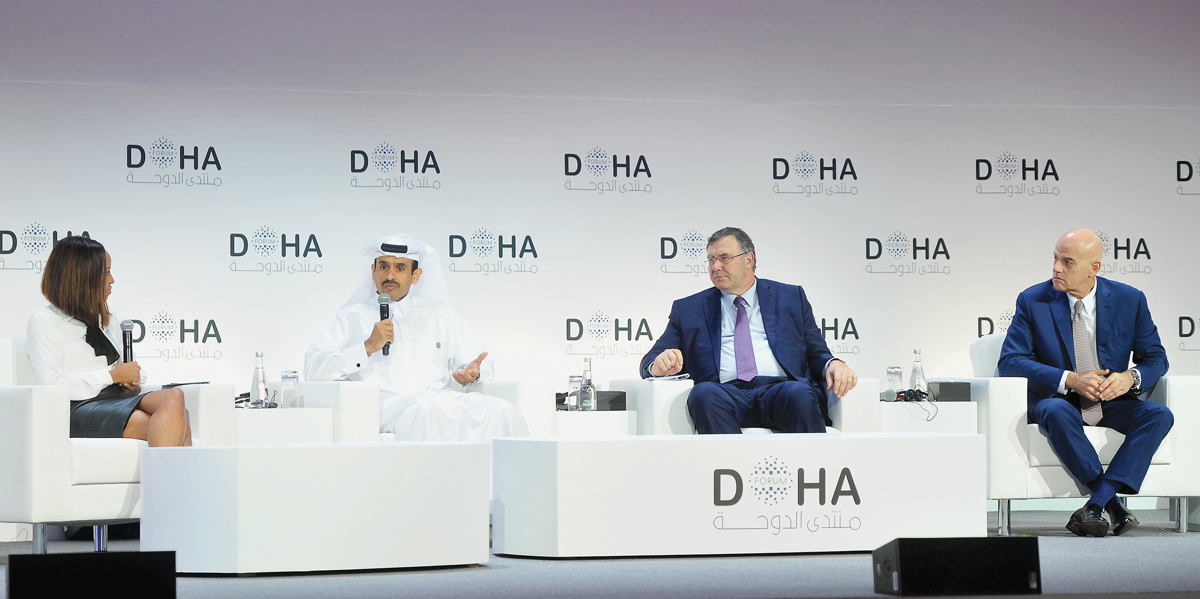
301, 508
731, 494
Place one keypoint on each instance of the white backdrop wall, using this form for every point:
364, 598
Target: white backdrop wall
911, 95
588, 248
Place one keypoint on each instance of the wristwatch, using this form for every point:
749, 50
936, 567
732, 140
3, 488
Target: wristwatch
1137, 381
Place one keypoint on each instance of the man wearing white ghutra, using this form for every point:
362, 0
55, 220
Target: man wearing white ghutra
417, 355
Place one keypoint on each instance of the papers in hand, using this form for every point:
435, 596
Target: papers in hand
674, 377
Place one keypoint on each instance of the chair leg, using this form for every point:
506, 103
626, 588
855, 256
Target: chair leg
1179, 513
39, 538
100, 535
1004, 513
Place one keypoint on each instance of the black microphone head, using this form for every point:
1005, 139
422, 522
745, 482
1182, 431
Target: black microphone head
384, 299
127, 326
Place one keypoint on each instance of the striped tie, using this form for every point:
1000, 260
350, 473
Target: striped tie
1084, 362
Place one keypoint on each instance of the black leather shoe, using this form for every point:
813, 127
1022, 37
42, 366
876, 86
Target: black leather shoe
1123, 520
1088, 521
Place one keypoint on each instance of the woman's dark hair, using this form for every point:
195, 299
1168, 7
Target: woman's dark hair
73, 279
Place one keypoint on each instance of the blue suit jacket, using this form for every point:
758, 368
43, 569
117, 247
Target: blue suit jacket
694, 328
1039, 345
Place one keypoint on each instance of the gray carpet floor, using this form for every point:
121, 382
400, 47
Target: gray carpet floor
1151, 559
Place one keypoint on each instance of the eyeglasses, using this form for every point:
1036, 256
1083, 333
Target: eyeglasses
723, 258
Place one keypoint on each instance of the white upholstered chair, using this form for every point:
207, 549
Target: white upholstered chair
48, 478
661, 406
1022, 465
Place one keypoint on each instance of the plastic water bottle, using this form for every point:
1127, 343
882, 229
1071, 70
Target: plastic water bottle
258, 386
289, 389
587, 391
917, 380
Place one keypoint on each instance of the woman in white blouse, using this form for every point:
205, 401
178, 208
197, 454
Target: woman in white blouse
70, 342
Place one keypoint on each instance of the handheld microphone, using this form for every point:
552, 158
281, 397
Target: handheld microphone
126, 340
385, 312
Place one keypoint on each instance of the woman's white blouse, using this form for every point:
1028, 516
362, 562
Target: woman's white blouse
60, 355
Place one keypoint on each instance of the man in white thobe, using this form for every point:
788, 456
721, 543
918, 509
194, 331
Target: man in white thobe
433, 359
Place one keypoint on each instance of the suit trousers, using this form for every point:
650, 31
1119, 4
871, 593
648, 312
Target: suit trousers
1144, 424
776, 403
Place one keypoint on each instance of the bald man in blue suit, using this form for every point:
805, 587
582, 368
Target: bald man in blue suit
752, 347
1072, 338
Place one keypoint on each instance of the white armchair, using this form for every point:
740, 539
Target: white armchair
46, 477
1022, 465
661, 407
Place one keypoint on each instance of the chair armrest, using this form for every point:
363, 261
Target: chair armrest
210, 413
35, 483
535, 401
1003, 420
661, 406
355, 407
1182, 395
858, 410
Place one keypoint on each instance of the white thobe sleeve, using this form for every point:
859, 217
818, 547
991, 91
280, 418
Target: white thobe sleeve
46, 345
467, 347
337, 353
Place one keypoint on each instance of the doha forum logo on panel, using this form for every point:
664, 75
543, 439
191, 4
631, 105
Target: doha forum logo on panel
163, 163
385, 168
600, 172
786, 501
265, 251
601, 335
808, 175
486, 253
1010, 176
898, 254
165, 337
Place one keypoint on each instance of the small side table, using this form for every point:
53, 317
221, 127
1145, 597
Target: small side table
929, 417
271, 426
596, 425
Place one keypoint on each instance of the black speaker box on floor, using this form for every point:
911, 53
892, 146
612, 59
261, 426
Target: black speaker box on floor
126, 573
966, 566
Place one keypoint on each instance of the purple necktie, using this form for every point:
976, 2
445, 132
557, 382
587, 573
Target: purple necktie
743, 349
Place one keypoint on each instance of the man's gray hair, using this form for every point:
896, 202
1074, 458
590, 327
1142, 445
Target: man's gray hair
744, 243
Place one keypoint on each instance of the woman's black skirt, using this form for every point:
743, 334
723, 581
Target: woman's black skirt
105, 415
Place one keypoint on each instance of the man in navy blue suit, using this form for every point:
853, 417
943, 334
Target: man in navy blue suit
1072, 337
752, 348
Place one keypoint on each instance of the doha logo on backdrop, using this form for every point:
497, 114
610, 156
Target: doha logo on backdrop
809, 175
168, 165
390, 170
600, 172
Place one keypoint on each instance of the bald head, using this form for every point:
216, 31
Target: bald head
1077, 261
1087, 242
